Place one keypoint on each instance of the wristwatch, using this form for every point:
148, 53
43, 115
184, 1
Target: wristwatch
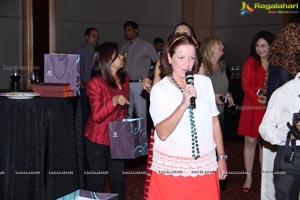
222, 157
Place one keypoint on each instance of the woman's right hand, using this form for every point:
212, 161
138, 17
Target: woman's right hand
120, 99
146, 84
218, 100
189, 92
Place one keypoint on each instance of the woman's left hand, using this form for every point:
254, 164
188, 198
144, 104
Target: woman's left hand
222, 169
146, 84
230, 100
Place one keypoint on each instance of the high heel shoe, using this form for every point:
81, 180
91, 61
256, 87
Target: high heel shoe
247, 185
246, 190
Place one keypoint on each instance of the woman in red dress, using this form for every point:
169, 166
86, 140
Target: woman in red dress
253, 109
108, 93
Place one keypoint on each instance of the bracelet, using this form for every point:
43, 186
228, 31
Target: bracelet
222, 157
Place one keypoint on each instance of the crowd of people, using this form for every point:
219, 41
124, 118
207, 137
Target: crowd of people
187, 157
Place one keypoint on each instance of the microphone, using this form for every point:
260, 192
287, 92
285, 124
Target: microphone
189, 79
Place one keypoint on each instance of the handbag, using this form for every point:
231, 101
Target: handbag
63, 68
128, 138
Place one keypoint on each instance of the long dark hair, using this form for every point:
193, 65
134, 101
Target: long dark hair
173, 43
189, 27
266, 35
102, 61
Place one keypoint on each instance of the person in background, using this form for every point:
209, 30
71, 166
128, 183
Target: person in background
254, 102
283, 67
108, 93
158, 45
283, 108
184, 162
140, 56
181, 28
213, 66
86, 53
184, 28
283, 57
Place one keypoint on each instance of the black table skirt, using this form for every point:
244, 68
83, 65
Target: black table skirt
41, 154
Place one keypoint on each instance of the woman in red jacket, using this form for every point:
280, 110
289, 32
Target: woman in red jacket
253, 109
108, 93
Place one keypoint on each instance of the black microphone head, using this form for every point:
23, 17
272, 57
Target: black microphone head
188, 73
189, 78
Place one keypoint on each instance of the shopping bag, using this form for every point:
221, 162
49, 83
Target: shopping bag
84, 195
128, 138
63, 68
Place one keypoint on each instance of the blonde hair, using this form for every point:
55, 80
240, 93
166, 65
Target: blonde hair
207, 49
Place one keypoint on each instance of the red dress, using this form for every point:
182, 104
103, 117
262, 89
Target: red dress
252, 112
149, 163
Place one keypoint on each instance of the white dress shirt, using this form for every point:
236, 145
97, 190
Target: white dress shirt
284, 102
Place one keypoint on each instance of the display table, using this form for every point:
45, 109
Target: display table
41, 154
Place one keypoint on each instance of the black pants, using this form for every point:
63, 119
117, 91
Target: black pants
85, 106
286, 176
101, 164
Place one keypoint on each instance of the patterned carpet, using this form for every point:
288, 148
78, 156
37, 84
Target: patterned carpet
135, 178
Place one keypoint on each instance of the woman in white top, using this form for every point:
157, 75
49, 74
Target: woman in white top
184, 162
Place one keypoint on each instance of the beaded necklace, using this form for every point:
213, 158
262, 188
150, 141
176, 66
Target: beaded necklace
195, 145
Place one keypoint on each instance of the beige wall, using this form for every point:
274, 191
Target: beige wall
156, 18
198, 14
10, 38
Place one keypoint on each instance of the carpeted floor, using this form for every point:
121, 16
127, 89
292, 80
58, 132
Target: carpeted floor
135, 177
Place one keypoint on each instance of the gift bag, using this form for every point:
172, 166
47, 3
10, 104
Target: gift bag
84, 195
63, 68
128, 138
